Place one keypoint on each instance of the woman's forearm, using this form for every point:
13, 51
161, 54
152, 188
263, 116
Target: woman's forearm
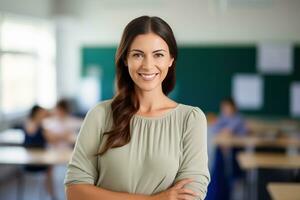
85, 191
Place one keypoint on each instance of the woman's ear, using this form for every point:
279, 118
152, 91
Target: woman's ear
171, 62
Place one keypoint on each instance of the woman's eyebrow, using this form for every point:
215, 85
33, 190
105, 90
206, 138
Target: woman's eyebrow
143, 52
137, 50
158, 50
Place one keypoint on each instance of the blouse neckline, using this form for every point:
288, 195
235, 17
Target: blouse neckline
158, 117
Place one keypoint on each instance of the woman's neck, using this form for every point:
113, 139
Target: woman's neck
154, 101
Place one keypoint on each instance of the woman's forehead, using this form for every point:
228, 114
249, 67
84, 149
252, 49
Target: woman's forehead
149, 41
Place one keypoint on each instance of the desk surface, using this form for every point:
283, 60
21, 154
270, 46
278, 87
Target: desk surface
254, 141
283, 191
12, 155
268, 160
16, 137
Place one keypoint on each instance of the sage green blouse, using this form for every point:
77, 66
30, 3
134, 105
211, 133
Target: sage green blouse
162, 151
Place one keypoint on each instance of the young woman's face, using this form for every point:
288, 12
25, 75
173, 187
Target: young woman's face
148, 61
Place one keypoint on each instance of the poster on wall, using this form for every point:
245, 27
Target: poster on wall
247, 91
275, 58
295, 99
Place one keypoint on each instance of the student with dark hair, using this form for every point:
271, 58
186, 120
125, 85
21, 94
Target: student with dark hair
37, 137
64, 106
141, 144
34, 135
62, 123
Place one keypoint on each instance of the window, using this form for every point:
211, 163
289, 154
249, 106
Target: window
27, 64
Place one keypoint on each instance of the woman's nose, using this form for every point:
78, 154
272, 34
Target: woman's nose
148, 62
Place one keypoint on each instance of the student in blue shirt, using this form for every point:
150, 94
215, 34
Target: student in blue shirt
225, 170
230, 121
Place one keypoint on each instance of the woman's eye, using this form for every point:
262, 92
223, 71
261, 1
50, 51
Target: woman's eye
159, 55
137, 55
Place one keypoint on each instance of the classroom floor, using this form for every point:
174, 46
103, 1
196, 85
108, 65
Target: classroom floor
33, 186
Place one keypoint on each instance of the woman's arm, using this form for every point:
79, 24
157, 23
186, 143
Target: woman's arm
194, 154
83, 170
91, 192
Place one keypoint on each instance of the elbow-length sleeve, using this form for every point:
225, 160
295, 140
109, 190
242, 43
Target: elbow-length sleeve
194, 158
82, 167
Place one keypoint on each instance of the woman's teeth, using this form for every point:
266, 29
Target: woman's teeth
148, 77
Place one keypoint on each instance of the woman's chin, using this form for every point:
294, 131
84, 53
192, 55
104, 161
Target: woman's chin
147, 87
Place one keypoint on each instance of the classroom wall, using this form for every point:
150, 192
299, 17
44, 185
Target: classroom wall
30, 8
209, 69
197, 22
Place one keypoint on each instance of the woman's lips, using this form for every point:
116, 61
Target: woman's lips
148, 77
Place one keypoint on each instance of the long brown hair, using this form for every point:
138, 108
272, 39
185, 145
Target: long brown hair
125, 103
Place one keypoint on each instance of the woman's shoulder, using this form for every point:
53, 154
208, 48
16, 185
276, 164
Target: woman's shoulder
194, 120
192, 114
102, 106
189, 110
101, 111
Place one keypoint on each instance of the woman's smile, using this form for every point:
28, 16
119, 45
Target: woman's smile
148, 77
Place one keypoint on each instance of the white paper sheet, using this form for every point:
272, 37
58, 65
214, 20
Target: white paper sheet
247, 90
275, 58
295, 99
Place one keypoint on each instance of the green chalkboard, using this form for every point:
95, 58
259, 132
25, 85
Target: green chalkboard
102, 57
204, 75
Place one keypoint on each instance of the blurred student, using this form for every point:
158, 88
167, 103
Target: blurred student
34, 134
225, 169
230, 120
37, 137
61, 122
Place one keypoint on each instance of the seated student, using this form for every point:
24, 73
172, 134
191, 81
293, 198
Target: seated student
61, 122
230, 121
36, 136
225, 170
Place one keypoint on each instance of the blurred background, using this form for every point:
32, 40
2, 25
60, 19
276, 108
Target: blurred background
239, 61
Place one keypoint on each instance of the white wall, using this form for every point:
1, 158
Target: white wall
36, 8
30, 9
192, 20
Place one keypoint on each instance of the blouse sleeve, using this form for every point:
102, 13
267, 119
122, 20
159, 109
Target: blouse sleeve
82, 167
194, 161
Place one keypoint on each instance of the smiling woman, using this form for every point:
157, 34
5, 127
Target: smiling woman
148, 60
141, 145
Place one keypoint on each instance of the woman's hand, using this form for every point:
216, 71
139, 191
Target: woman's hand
177, 192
